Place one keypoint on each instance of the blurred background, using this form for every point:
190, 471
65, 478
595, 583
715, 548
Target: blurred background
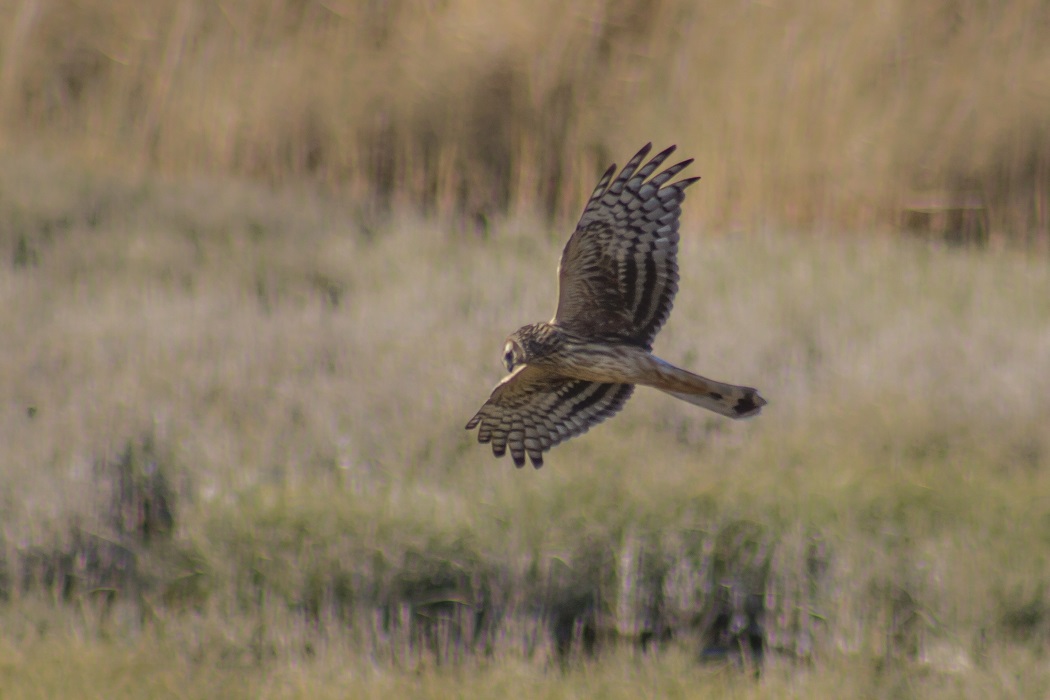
257, 262
801, 113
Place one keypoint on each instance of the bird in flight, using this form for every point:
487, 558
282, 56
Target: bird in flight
616, 284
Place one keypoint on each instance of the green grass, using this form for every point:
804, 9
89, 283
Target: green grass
290, 377
151, 668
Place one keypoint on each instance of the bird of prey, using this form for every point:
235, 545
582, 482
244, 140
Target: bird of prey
616, 284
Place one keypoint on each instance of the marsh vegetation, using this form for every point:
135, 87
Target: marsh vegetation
257, 274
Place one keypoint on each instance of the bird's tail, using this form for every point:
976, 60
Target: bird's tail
726, 399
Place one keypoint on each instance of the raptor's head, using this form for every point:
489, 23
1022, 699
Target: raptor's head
513, 355
526, 345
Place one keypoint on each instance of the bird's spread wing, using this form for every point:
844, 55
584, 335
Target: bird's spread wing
531, 411
619, 271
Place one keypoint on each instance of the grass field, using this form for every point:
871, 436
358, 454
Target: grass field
234, 462
800, 112
257, 264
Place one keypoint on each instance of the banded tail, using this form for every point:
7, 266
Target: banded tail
725, 399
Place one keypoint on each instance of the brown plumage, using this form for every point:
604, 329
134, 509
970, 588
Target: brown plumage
616, 285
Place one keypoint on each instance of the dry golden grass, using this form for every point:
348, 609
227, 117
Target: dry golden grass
799, 112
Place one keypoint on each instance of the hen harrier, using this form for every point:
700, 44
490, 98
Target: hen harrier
616, 283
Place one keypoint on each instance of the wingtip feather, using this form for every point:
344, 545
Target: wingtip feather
666, 152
